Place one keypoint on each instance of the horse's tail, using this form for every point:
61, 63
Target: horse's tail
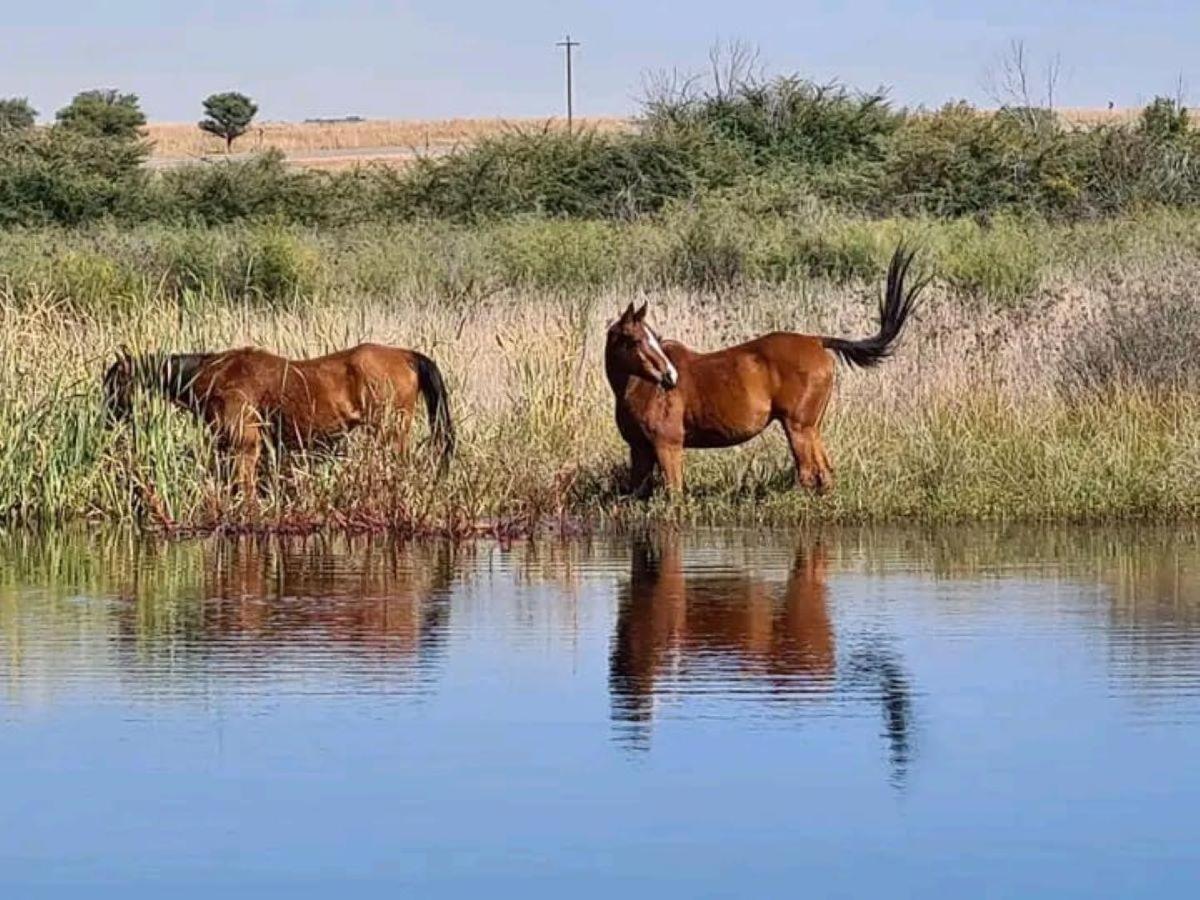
433, 389
894, 310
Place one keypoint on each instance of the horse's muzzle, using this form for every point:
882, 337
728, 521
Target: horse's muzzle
667, 381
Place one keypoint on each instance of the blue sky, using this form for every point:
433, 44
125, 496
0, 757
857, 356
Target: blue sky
427, 59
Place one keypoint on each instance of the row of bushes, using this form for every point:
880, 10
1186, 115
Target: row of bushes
795, 138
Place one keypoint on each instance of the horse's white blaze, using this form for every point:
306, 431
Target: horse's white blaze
668, 366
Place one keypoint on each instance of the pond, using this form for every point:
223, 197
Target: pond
698, 713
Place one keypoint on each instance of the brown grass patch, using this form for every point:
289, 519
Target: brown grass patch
183, 139
1091, 117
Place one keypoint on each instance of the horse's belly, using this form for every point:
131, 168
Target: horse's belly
725, 434
304, 430
711, 440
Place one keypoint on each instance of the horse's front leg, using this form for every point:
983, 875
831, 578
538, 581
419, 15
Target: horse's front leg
247, 469
243, 436
641, 470
670, 459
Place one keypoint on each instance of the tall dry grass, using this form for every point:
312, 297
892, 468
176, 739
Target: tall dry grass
184, 139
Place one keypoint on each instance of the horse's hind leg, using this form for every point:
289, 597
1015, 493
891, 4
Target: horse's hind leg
824, 464
801, 418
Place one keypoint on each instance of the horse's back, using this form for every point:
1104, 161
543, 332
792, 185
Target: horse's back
247, 371
383, 363
322, 393
791, 350
767, 361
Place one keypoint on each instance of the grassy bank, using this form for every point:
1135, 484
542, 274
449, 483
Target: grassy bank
1050, 376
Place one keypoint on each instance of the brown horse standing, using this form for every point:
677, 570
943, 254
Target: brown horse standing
249, 396
669, 397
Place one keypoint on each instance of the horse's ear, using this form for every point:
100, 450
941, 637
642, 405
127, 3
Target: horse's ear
628, 314
641, 313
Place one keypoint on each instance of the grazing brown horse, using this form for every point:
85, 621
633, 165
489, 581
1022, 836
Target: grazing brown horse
249, 396
669, 397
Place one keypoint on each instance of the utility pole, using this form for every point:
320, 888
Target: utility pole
568, 45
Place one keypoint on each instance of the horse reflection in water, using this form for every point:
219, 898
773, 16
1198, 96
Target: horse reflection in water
262, 599
738, 635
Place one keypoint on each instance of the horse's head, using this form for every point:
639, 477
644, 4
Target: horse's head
634, 349
118, 387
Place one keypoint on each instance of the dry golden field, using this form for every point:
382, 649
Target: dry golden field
340, 144
175, 140
1089, 117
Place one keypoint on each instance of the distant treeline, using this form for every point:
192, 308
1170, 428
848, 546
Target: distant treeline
779, 140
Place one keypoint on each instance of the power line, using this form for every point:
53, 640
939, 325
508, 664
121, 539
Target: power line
568, 45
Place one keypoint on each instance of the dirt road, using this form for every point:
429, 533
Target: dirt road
347, 156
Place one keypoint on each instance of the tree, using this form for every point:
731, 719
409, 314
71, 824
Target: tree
1010, 85
228, 116
103, 113
1165, 119
16, 114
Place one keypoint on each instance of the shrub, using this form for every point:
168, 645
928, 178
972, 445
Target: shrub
196, 261
1036, 119
1003, 261
104, 113
786, 118
557, 254
582, 174
957, 161
60, 176
16, 114
1164, 119
259, 188
93, 281
710, 252
277, 266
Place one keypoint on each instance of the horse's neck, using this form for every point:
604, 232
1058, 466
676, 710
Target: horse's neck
617, 379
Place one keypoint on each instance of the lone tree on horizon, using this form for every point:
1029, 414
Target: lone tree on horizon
228, 115
103, 112
16, 114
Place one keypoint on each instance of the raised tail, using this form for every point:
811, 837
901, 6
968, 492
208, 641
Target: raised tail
894, 310
433, 389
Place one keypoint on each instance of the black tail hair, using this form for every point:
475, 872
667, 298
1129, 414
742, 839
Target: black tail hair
894, 310
433, 389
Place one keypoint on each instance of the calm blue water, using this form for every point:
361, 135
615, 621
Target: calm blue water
716, 714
